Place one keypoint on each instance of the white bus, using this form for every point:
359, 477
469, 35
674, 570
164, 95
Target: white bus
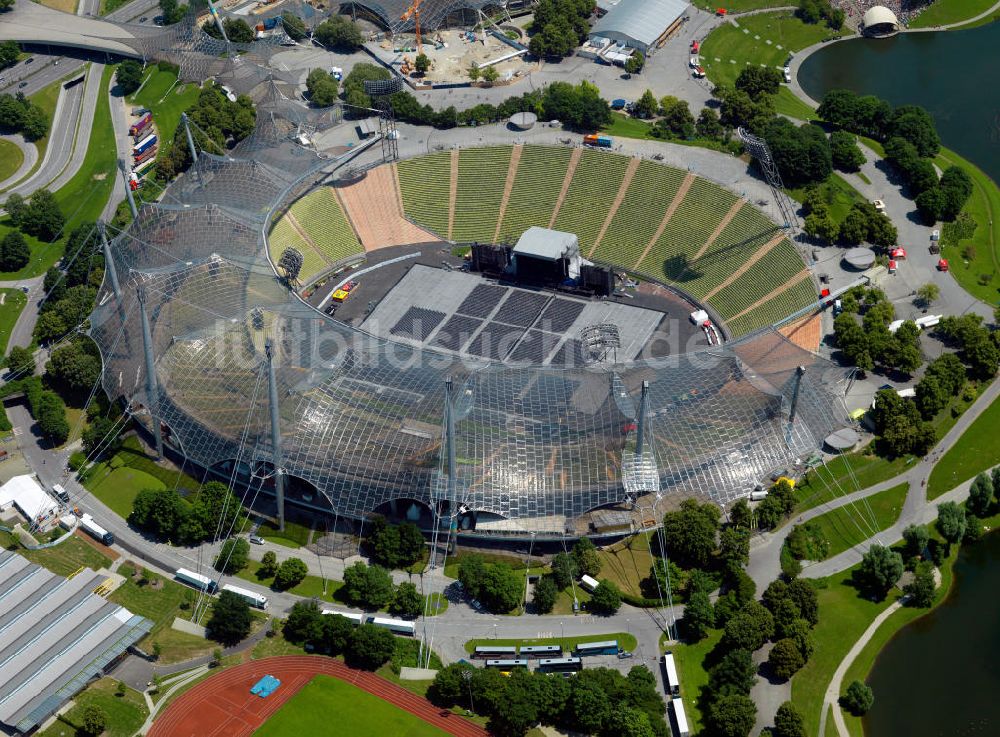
588, 583
670, 679
399, 626
560, 665
255, 599
680, 718
355, 618
508, 664
202, 583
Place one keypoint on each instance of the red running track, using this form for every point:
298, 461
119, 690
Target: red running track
222, 706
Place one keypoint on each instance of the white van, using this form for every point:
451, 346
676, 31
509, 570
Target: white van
60, 492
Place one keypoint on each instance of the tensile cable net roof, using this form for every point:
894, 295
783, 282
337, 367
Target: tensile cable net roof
363, 419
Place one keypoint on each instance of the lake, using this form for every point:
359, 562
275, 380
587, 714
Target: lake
940, 676
953, 74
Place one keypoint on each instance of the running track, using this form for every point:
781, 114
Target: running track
222, 706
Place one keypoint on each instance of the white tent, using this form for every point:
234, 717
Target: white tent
28, 496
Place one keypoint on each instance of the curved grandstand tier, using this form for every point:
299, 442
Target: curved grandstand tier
363, 419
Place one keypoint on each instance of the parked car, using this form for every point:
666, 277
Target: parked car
22, 85
623, 654
144, 18
256, 540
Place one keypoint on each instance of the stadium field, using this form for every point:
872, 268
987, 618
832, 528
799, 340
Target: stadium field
326, 700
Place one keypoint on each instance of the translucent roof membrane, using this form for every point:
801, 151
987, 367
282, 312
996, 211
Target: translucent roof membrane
363, 419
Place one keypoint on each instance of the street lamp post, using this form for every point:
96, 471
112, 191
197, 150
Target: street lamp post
467, 677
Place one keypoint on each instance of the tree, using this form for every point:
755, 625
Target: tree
473, 73
606, 598
121, 689
322, 88
490, 75
734, 547
915, 537
370, 647
980, 495
502, 588
844, 151
785, 659
788, 722
50, 413
367, 586
294, 26
757, 81
544, 596
858, 698
920, 591
820, 224
93, 720
450, 686
14, 252
635, 63
749, 628
75, 366
42, 217
471, 571
951, 522
172, 12
406, 600
803, 593
586, 557
740, 514
234, 556
676, 120
216, 657
734, 674
708, 125
422, 63
732, 716
646, 106
20, 361
928, 294
9, 50
268, 565
290, 573
699, 617
690, 532
129, 76
880, 568
304, 622
564, 570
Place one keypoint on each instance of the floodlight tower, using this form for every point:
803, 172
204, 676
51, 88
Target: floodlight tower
757, 147
380, 91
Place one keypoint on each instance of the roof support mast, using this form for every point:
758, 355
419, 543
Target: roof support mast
152, 391
272, 397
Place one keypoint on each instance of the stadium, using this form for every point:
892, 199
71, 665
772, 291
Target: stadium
445, 393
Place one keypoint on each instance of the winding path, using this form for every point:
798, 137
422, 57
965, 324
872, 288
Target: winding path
30, 153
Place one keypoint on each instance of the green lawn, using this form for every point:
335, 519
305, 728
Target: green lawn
293, 536
739, 6
847, 526
730, 47
984, 208
836, 192
625, 126
311, 586
518, 564
358, 713
978, 449
625, 641
843, 616
13, 302
944, 12
126, 714
835, 480
690, 661
68, 557
11, 159
165, 99
627, 563
992, 17
118, 487
788, 103
110, 6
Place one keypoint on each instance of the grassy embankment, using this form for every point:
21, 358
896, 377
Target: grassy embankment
12, 301
946, 12
847, 526
978, 449
125, 714
11, 159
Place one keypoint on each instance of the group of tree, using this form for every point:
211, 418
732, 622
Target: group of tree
801, 153
219, 124
814, 11
231, 619
899, 428
15, 253
322, 88
234, 555
778, 504
339, 33
794, 608
844, 151
979, 346
596, 701
169, 516
39, 216
9, 50
172, 11
75, 367
365, 646
943, 379
129, 76
559, 26
565, 568
674, 119
18, 114
869, 342
293, 25
498, 586
72, 286
287, 574
238, 31
395, 546
49, 411
936, 199
370, 587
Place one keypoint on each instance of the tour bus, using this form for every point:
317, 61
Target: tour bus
139, 128
680, 718
494, 651
203, 583
541, 651
355, 618
560, 665
148, 155
255, 599
508, 664
141, 170
670, 680
588, 582
145, 143
607, 647
399, 626
96, 531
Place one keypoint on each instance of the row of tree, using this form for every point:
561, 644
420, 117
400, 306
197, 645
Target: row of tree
815, 11
365, 646
596, 701
18, 114
39, 216
371, 588
169, 516
869, 343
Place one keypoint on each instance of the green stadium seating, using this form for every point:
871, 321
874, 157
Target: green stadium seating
540, 176
283, 236
778, 308
425, 187
323, 222
767, 275
482, 176
649, 194
596, 182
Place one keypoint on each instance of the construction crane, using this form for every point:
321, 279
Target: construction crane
414, 12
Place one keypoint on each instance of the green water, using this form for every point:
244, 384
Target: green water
940, 676
954, 74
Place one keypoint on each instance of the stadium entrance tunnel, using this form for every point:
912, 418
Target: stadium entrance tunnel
405, 509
